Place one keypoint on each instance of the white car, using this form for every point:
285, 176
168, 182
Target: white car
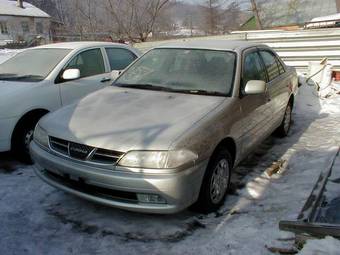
42, 79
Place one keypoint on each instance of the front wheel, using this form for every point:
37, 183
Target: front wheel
216, 182
284, 128
21, 141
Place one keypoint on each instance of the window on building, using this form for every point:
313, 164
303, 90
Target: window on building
25, 26
3, 27
39, 28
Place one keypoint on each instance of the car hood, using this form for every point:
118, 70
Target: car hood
129, 119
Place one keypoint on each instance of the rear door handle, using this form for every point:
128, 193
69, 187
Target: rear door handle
105, 80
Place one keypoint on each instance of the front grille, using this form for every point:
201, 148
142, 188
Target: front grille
117, 195
84, 152
79, 151
102, 155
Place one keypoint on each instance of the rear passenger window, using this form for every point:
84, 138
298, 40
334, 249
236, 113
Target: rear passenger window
281, 68
271, 65
119, 58
253, 69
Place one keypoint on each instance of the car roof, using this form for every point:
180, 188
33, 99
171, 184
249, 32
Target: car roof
222, 45
79, 45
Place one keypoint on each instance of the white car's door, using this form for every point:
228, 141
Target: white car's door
94, 75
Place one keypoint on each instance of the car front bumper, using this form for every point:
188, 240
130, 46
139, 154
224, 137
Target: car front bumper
119, 188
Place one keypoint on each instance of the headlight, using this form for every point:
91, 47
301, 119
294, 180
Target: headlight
40, 136
157, 159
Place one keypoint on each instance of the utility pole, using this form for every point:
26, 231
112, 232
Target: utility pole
337, 6
256, 14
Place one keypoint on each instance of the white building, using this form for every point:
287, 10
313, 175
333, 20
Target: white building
21, 21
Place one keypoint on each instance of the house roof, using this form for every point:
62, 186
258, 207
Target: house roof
10, 8
327, 18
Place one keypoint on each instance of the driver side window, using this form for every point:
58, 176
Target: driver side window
253, 69
88, 62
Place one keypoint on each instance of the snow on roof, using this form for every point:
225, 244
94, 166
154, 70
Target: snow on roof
327, 18
10, 8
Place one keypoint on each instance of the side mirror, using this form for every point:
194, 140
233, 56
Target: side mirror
255, 87
115, 74
71, 74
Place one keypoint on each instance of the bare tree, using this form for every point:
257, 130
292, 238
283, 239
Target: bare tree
135, 19
231, 17
212, 9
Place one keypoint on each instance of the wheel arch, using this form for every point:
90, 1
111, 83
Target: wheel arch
230, 144
32, 115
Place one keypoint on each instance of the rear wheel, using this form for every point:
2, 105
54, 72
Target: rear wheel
216, 182
284, 128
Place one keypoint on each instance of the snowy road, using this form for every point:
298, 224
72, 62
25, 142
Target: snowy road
38, 219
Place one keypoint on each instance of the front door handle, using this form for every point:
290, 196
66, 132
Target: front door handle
105, 80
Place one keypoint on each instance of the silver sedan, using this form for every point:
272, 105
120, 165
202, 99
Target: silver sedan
167, 134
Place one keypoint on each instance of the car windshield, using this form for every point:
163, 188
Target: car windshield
31, 65
195, 71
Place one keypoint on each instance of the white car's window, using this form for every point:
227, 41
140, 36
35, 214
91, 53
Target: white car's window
32, 65
119, 58
183, 70
271, 64
88, 62
252, 68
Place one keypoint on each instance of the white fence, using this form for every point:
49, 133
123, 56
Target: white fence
296, 48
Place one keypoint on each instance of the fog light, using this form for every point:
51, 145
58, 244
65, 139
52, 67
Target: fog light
150, 199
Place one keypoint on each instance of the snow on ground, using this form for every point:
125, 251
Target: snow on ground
326, 246
38, 219
6, 54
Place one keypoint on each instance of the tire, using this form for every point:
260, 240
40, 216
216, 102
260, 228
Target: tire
213, 189
23, 135
283, 129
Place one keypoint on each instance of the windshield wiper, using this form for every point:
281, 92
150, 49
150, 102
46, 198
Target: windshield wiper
20, 77
161, 88
144, 86
201, 92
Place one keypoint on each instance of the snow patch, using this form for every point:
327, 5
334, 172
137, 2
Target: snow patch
326, 246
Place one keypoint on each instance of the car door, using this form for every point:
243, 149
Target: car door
256, 110
277, 84
94, 75
119, 58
